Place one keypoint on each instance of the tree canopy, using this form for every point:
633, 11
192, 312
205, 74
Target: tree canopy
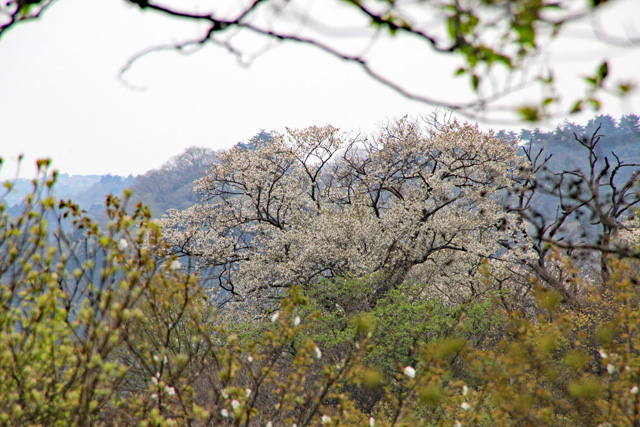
423, 288
171, 186
317, 203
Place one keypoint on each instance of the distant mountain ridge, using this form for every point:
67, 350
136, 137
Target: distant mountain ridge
621, 137
88, 191
67, 187
171, 185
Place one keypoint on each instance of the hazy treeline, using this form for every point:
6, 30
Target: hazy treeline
405, 278
171, 185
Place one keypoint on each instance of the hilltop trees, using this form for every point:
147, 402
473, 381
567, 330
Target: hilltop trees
171, 185
434, 235
580, 208
404, 307
410, 203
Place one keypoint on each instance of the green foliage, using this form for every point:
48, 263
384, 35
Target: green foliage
102, 327
65, 301
400, 325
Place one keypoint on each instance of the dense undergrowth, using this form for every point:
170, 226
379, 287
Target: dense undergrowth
105, 327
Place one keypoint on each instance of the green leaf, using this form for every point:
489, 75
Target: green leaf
625, 87
460, 71
585, 388
505, 60
452, 27
475, 81
603, 71
472, 56
449, 347
546, 80
548, 299
431, 395
526, 35
576, 360
372, 377
529, 113
577, 107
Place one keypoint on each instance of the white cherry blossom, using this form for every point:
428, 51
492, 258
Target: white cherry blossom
410, 372
406, 204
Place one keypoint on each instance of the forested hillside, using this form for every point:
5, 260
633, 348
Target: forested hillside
171, 186
621, 136
563, 149
168, 187
412, 277
424, 273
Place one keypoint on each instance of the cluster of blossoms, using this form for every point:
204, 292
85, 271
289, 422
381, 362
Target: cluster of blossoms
158, 383
406, 204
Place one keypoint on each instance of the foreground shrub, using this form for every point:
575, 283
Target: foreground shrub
103, 327
100, 327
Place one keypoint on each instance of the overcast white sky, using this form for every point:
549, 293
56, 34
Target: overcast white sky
60, 96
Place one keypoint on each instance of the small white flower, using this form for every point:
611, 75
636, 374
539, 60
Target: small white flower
224, 413
250, 359
154, 396
235, 404
318, 352
611, 369
175, 264
224, 394
154, 380
156, 358
296, 321
603, 354
410, 371
269, 424
634, 390
170, 391
275, 316
465, 406
248, 392
325, 419
458, 424
372, 422
123, 244
465, 390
